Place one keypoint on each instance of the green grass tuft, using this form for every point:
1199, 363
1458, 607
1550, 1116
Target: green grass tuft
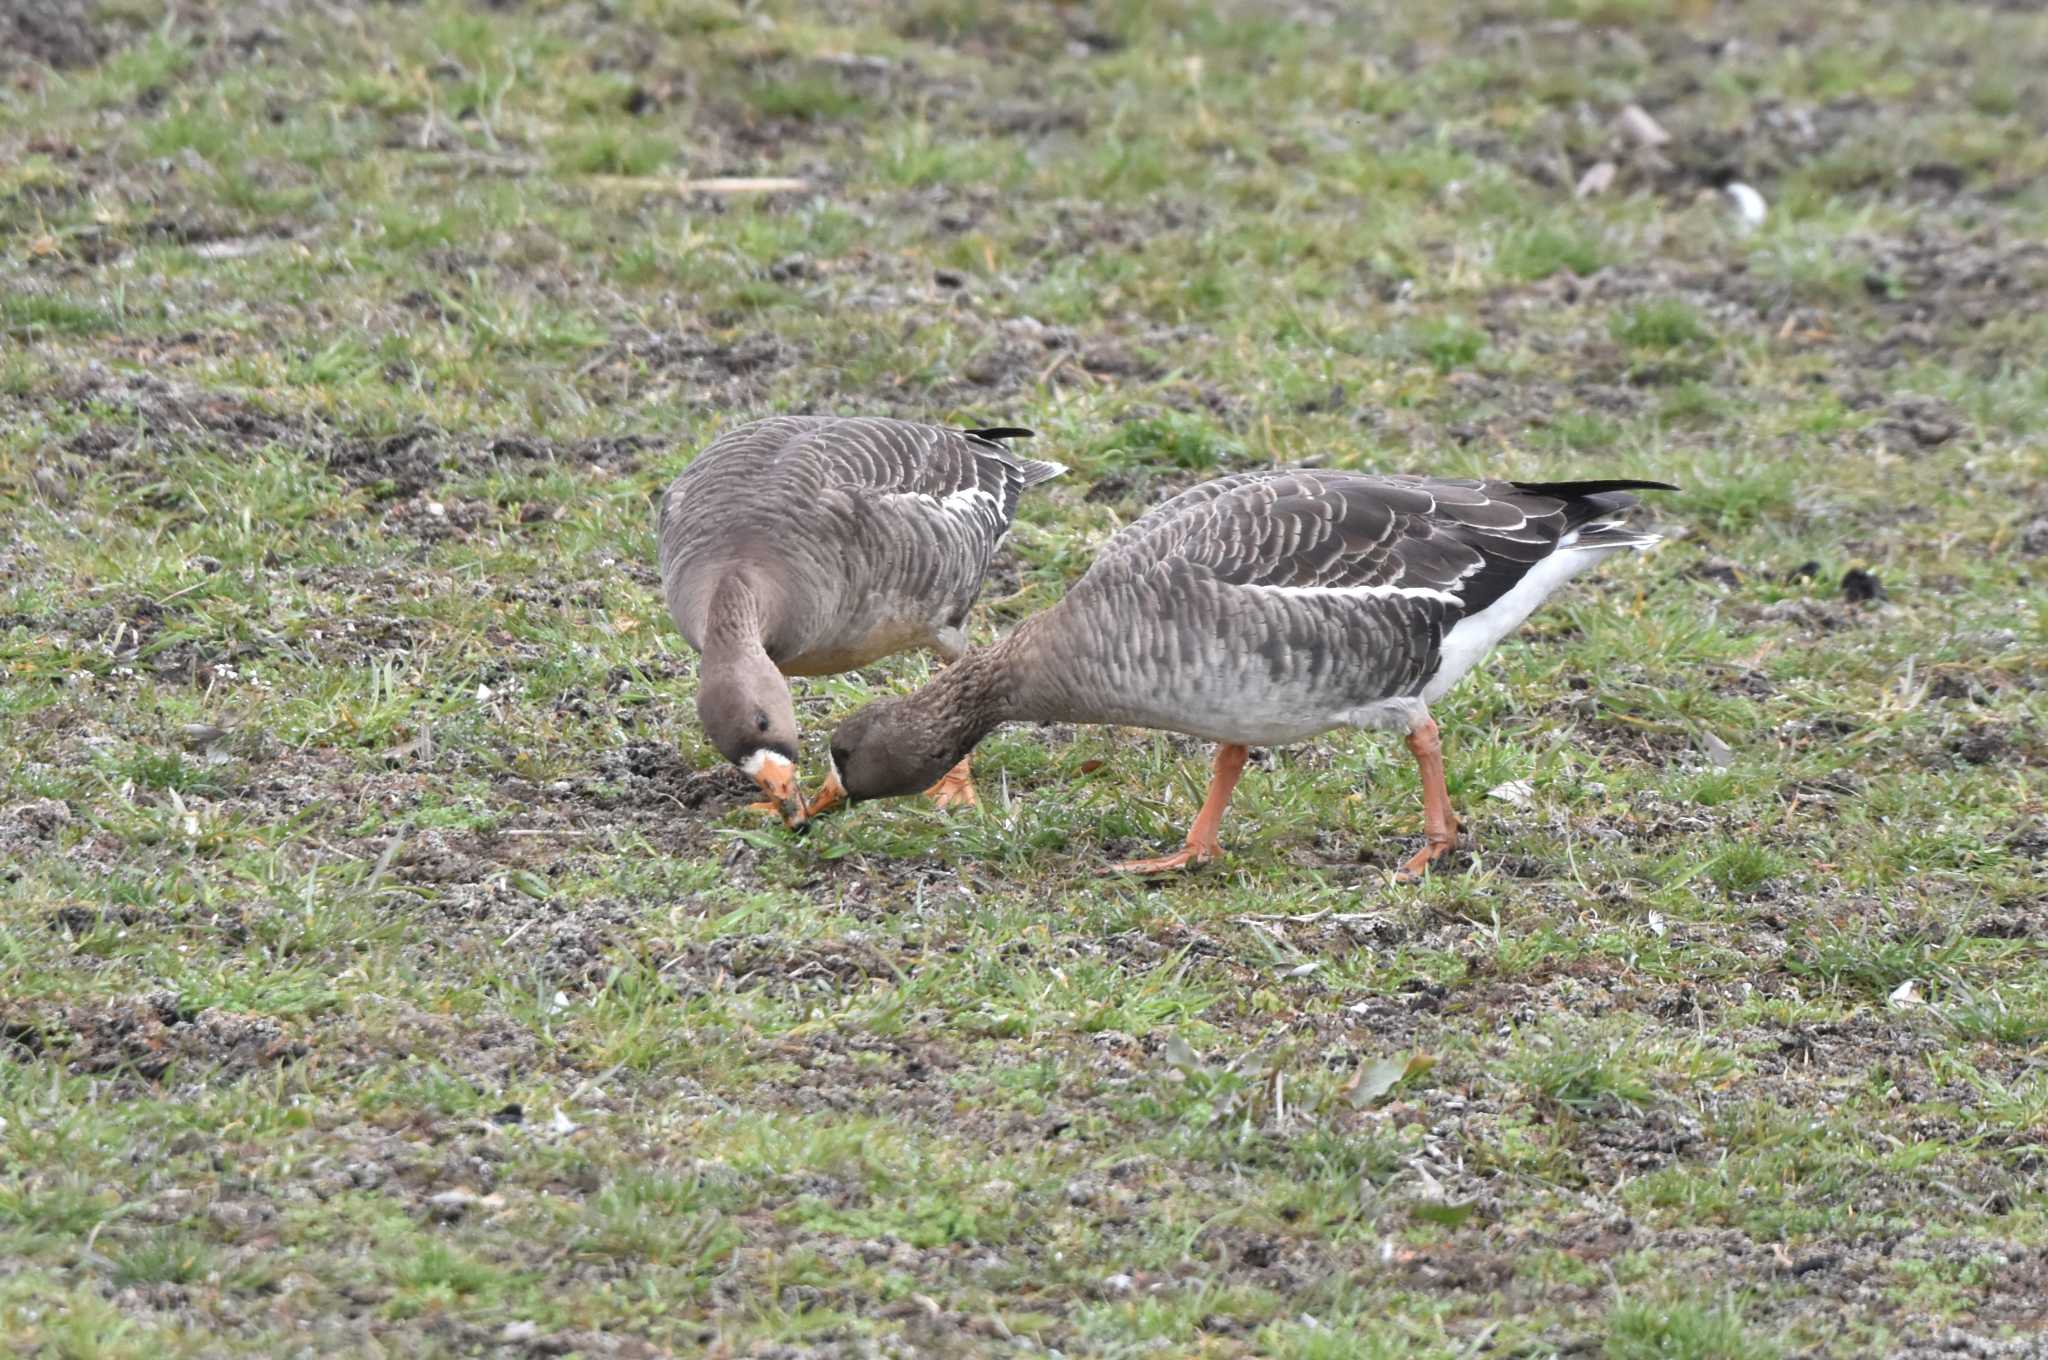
1664, 324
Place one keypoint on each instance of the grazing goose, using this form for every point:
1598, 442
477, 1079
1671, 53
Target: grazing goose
1259, 609
809, 545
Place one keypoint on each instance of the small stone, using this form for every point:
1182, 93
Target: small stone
200, 736
2034, 538
450, 1205
1598, 178
1750, 208
515, 1333
1638, 124
233, 1217
1118, 1284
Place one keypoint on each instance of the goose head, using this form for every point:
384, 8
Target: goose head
743, 703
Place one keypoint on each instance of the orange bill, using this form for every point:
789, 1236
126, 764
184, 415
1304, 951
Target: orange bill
776, 774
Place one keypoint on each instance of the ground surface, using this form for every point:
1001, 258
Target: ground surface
385, 966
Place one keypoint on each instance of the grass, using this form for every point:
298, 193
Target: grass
386, 967
1665, 324
1642, 1329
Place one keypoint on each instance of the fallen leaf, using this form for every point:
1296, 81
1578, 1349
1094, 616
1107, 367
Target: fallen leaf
1517, 792
233, 248
717, 184
1907, 993
1258, 1062
1373, 1081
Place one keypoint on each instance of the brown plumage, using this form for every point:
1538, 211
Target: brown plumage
808, 545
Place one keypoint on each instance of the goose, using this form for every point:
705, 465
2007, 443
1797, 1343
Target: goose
1262, 609
810, 545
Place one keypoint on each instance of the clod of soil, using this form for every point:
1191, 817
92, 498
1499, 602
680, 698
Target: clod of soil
1860, 587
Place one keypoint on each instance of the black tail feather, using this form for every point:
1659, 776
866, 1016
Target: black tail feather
1573, 490
999, 433
1585, 502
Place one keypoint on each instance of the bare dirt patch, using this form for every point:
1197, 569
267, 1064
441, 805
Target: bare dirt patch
146, 1035
59, 34
420, 459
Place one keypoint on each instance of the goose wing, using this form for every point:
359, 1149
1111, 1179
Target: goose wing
963, 478
769, 476
1459, 544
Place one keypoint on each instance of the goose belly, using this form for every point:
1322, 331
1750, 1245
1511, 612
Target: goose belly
1274, 672
865, 637
1251, 708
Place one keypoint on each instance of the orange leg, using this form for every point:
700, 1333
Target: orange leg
1202, 844
955, 788
1439, 823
